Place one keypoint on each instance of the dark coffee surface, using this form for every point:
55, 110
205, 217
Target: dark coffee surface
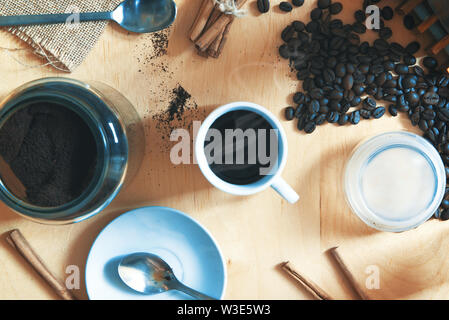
51, 151
246, 173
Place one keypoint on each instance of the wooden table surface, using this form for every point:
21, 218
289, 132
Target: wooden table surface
255, 233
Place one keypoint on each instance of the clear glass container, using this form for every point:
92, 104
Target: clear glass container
115, 127
394, 181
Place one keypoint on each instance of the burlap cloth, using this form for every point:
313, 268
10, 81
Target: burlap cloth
64, 46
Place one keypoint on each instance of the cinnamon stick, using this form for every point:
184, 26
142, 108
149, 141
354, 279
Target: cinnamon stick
347, 273
308, 284
209, 35
216, 47
19, 243
201, 19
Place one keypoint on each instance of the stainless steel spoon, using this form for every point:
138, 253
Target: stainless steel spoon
140, 16
149, 274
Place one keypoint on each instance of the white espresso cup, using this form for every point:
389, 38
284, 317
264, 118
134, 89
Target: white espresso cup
272, 179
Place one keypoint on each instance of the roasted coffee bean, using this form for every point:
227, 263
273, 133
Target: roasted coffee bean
397, 48
263, 5
333, 117
445, 204
348, 82
298, 3
412, 98
324, 4
414, 118
431, 98
299, 110
387, 13
298, 26
385, 33
378, 112
381, 79
409, 82
390, 98
320, 119
343, 119
359, 27
418, 71
444, 215
412, 47
336, 95
369, 104
354, 117
365, 114
355, 101
316, 93
381, 45
329, 75
429, 115
285, 6
288, 33
313, 27
409, 22
314, 106
423, 125
445, 149
335, 8
409, 60
301, 123
393, 111
430, 63
298, 98
303, 74
309, 127
358, 89
284, 52
340, 70
360, 16
316, 14
364, 68
289, 113
401, 69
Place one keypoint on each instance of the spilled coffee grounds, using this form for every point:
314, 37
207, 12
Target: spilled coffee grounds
51, 151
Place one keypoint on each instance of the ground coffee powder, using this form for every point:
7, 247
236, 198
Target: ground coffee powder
51, 151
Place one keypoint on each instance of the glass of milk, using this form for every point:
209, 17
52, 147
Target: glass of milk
394, 181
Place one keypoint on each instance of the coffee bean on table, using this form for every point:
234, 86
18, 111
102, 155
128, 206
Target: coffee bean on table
309, 127
298, 3
378, 112
430, 63
324, 4
431, 98
409, 22
393, 111
444, 215
335, 8
289, 113
413, 47
316, 14
285, 6
360, 16
348, 82
298, 26
387, 13
263, 5
385, 33
401, 69
369, 104
409, 60
354, 117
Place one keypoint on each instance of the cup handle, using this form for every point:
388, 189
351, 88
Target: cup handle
285, 190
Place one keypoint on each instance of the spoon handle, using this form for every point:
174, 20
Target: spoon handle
21, 20
192, 292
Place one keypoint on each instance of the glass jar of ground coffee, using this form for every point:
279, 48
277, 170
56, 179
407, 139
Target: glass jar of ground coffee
66, 148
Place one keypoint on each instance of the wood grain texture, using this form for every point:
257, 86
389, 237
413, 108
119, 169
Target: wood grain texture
255, 233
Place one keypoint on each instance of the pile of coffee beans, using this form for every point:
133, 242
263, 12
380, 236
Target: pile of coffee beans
343, 77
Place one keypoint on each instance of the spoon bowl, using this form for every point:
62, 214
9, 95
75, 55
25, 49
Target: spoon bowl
143, 16
147, 273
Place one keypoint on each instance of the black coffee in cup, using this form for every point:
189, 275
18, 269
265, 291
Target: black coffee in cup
239, 146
